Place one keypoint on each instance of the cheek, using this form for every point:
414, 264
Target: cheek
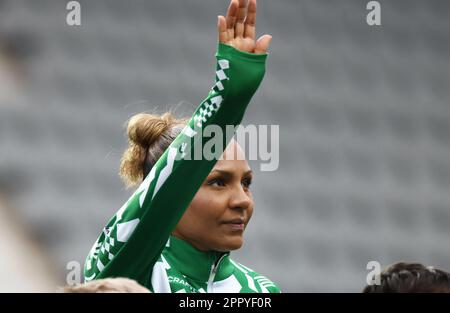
207, 205
250, 210
252, 204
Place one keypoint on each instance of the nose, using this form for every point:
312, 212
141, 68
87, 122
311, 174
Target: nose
240, 199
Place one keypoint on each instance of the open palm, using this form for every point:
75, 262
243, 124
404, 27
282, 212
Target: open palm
238, 28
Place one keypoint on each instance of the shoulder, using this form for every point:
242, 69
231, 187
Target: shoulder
265, 284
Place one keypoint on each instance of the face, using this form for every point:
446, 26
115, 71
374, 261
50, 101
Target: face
220, 211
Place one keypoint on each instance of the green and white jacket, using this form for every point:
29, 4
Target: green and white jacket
137, 242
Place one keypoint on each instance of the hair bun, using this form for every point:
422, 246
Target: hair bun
148, 136
144, 129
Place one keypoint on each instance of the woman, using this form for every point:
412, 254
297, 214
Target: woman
175, 233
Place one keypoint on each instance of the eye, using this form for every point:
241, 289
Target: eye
217, 182
246, 182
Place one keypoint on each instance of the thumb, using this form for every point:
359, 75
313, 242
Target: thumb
262, 44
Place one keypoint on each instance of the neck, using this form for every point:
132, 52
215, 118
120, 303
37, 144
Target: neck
198, 245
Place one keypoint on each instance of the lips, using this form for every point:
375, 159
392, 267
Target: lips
235, 221
236, 224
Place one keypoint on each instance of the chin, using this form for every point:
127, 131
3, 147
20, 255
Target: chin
232, 243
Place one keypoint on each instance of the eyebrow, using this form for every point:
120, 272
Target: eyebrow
229, 173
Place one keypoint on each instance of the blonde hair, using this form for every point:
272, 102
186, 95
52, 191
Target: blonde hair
149, 135
107, 285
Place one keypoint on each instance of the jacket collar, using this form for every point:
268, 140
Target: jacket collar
197, 264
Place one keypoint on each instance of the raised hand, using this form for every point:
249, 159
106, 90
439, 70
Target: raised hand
238, 28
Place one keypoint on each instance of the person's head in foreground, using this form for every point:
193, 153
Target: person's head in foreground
108, 285
221, 209
411, 278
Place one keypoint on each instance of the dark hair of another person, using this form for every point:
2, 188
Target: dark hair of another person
411, 278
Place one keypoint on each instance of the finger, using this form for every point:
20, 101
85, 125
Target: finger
262, 44
231, 17
222, 29
250, 21
242, 12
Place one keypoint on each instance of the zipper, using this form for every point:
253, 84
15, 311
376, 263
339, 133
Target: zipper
213, 273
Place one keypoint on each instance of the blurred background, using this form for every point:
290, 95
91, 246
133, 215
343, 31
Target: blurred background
364, 115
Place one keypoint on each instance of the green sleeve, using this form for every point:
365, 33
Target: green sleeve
274, 288
135, 236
